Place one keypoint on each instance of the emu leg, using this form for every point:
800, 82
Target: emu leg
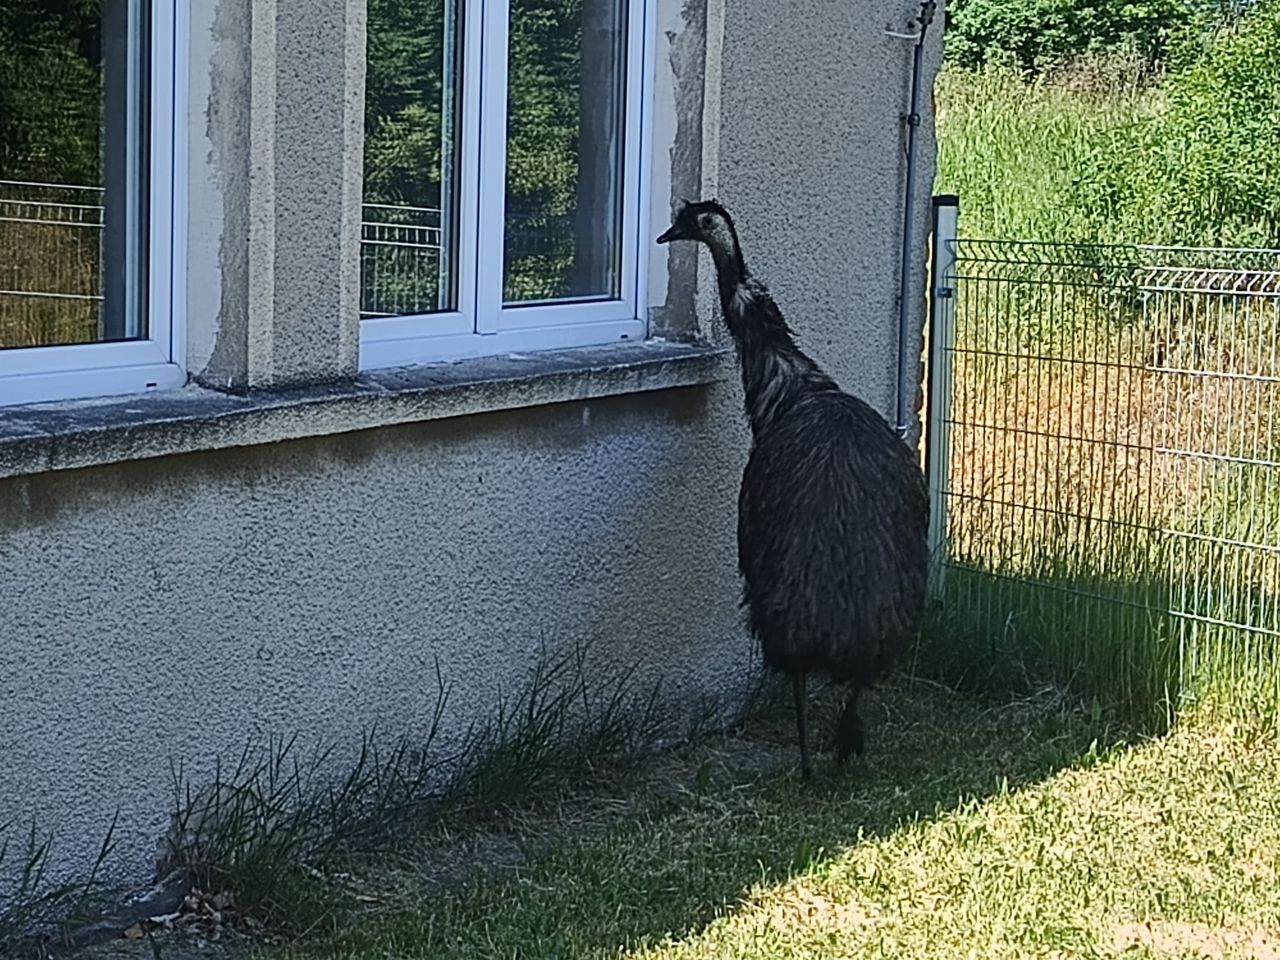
850, 738
797, 688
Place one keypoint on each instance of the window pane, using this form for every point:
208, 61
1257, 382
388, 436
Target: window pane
72, 171
409, 252
564, 149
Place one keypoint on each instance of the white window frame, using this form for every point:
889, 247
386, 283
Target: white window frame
35, 374
481, 325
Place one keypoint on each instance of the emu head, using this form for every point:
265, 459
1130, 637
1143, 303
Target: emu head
707, 222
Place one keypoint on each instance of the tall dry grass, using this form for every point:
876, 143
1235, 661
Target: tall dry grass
1114, 487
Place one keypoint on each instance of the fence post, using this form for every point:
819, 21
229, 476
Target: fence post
942, 340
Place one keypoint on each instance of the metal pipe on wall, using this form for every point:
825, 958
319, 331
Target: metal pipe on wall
906, 369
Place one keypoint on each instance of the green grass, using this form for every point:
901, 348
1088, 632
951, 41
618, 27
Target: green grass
974, 829
1014, 150
1128, 622
279, 806
1103, 150
35, 907
1108, 642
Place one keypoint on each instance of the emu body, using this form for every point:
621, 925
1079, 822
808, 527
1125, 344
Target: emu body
833, 511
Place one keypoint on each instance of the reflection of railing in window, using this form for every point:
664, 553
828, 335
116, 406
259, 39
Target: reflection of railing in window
540, 252
51, 248
401, 271
400, 260
50, 264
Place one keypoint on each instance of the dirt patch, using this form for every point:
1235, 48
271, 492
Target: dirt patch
1176, 939
804, 908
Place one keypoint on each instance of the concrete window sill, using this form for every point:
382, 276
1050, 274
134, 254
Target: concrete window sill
64, 436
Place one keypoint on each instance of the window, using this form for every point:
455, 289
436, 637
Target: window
86, 166
502, 184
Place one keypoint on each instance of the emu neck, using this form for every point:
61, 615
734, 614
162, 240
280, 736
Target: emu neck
775, 372
731, 271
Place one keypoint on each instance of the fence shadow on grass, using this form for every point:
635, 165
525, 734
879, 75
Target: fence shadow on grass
1108, 643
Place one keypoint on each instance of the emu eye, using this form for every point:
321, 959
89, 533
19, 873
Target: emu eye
704, 221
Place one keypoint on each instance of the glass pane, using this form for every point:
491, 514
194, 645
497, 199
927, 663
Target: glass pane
565, 135
72, 176
408, 255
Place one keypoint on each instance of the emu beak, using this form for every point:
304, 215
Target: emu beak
672, 233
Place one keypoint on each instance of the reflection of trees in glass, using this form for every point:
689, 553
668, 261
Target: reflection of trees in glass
404, 157
544, 76
51, 91
563, 138
405, 152
403, 97
51, 115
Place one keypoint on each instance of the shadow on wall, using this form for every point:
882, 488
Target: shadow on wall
184, 605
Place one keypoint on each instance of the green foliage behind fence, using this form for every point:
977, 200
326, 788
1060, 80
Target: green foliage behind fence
1098, 151
1038, 35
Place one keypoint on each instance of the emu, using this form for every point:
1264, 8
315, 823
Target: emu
832, 514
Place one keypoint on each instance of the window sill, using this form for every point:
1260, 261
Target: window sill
69, 435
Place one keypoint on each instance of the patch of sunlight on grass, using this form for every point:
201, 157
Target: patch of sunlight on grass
1169, 849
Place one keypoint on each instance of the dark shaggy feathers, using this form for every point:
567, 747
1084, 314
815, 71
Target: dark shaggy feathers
833, 580
833, 510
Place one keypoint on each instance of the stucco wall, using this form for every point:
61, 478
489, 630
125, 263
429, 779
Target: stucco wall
171, 609
799, 130
812, 161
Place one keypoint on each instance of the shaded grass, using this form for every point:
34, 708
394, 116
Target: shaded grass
695, 857
262, 826
33, 907
1135, 622
1106, 643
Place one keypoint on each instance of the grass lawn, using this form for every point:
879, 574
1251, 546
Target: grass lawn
971, 830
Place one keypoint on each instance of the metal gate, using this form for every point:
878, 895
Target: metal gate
1104, 461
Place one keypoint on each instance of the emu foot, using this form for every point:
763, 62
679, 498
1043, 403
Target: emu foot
850, 738
802, 725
